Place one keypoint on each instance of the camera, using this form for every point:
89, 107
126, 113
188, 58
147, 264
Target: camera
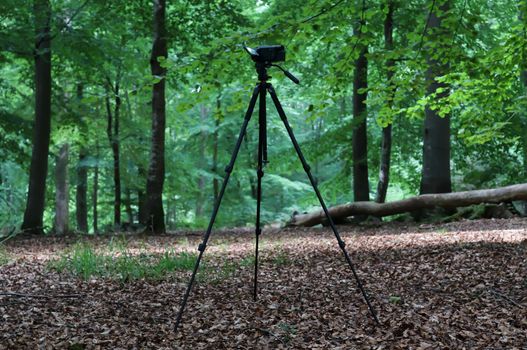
267, 53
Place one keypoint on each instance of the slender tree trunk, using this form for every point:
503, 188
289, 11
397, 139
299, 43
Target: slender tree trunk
156, 171
319, 125
81, 194
202, 162
33, 215
95, 193
436, 139
215, 141
252, 158
117, 159
386, 145
361, 187
215, 181
128, 206
128, 189
61, 224
113, 137
141, 198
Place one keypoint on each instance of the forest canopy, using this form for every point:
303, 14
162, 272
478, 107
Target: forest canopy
118, 115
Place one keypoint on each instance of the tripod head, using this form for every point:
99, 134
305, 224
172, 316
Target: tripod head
265, 57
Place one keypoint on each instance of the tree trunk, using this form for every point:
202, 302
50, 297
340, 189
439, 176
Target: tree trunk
252, 159
361, 186
436, 139
200, 198
141, 198
128, 207
425, 201
113, 136
215, 181
117, 159
81, 194
215, 141
95, 193
386, 144
319, 126
156, 172
33, 215
61, 224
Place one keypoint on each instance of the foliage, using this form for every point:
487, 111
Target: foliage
208, 86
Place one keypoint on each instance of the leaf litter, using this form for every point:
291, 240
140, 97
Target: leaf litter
453, 286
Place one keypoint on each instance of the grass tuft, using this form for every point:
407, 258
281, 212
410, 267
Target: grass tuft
281, 259
85, 261
4, 256
116, 261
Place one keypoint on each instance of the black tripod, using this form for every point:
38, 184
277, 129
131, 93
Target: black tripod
261, 91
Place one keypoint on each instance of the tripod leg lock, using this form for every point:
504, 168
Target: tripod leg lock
307, 168
201, 247
258, 231
342, 244
228, 169
260, 173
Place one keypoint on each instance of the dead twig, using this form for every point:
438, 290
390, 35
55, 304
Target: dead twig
39, 296
267, 332
503, 296
13, 302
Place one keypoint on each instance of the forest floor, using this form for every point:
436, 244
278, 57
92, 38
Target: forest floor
452, 286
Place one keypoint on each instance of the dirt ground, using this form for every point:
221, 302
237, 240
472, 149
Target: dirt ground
454, 286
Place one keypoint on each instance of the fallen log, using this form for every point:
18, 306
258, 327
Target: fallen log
425, 201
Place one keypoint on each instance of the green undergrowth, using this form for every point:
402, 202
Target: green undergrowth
281, 259
116, 260
4, 256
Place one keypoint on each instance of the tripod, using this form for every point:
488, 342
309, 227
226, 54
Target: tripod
261, 90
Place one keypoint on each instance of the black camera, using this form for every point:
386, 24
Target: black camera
267, 54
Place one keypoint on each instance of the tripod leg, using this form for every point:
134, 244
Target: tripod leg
307, 169
228, 171
262, 156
